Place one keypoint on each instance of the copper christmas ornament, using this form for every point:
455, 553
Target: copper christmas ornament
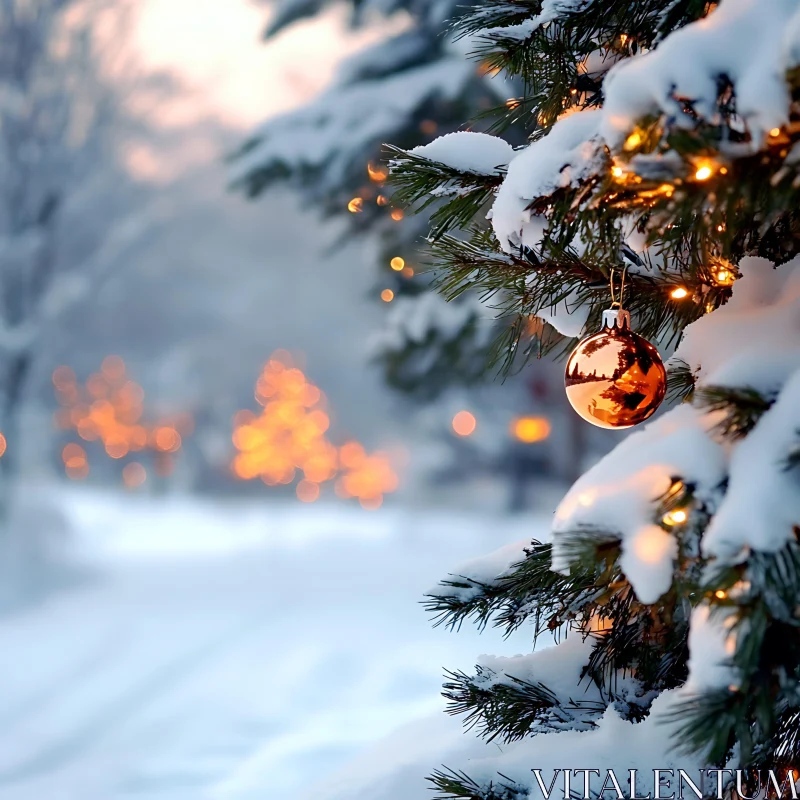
615, 378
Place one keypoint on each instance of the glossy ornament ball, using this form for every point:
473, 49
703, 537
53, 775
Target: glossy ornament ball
615, 378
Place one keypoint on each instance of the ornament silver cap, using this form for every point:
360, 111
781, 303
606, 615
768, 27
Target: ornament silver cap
616, 318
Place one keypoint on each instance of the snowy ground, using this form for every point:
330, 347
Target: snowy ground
229, 652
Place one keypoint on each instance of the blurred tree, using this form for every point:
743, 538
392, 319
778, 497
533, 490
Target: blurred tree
65, 219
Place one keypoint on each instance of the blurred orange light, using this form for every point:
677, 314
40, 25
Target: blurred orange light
133, 475
397, 263
530, 429
3, 445
288, 439
356, 205
679, 293
167, 439
397, 214
464, 423
117, 447
382, 200
408, 272
387, 295
378, 174
73, 451
704, 171
307, 491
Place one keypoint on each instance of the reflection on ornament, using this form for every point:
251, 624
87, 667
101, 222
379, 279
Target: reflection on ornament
615, 378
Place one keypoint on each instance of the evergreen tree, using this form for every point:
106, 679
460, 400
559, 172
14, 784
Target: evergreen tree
664, 144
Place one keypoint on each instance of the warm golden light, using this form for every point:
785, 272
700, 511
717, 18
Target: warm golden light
679, 293
287, 441
720, 594
464, 423
408, 272
397, 263
397, 214
3, 445
512, 102
633, 141
387, 295
109, 410
307, 492
356, 205
616, 172
775, 132
378, 174
530, 429
382, 200
676, 517
703, 172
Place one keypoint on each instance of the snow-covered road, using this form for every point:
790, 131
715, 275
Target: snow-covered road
229, 652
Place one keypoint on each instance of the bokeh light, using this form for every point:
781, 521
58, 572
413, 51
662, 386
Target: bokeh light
464, 423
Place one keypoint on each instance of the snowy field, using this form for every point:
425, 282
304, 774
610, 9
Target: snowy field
241, 651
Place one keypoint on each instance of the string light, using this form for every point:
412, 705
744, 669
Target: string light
675, 517
720, 594
408, 272
633, 141
530, 429
109, 410
679, 293
775, 132
387, 295
723, 273
704, 172
397, 214
617, 172
464, 423
288, 440
356, 205
382, 200
377, 174
397, 263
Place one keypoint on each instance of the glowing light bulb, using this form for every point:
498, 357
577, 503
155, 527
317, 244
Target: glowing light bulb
720, 594
464, 423
775, 132
703, 173
530, 429
679, 293
397, 263
397, 214
356, 205
676, 517
387, 295
633, 141
616, 172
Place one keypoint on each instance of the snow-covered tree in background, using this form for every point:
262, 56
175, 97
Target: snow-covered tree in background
665, 140
68, 212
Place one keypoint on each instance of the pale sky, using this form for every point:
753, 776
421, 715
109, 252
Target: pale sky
215, 47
